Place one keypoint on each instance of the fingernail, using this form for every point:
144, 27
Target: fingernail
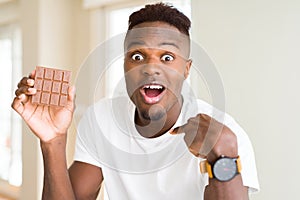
21, 96
30, 82
171, 131
174, 131
31, 90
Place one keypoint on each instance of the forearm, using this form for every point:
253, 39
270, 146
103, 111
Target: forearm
57, 183
231, 190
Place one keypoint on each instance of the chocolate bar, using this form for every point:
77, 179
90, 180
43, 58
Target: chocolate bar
51, 86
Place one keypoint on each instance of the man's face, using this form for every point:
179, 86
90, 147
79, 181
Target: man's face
156, 64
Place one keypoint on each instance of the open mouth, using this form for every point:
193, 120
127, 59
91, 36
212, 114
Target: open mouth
152, 93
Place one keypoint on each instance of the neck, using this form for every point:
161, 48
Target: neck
155, 128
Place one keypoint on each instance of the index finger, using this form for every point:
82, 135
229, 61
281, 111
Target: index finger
177, 130
25, 81
192, 125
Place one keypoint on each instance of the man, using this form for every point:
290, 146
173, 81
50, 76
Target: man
136, 145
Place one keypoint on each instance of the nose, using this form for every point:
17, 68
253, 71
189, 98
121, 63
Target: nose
151, 69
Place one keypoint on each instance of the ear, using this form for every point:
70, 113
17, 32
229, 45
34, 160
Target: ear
187, 68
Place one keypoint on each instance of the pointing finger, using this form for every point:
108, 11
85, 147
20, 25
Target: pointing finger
177, 130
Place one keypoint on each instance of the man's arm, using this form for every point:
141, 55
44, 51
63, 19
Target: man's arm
86, 180
231, 190
57, 184
82, 181
226, 145
208, 138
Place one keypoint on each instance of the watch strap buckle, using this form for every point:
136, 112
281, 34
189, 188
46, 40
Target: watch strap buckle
205, 167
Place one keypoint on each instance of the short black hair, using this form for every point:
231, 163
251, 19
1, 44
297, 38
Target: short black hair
160, 12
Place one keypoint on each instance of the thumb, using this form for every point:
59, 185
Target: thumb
71, 98
72, 91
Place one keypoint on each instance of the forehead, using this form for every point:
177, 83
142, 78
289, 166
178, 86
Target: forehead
158, 36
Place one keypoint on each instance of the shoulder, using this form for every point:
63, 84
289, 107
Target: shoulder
107, 106
214, 112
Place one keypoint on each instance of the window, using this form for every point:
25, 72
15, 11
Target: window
117, 21
10, 122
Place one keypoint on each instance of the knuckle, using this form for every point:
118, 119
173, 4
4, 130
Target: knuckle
205, 118
17, 92
21, 90
13, 104
23, 80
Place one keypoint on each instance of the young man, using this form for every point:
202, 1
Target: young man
135, 144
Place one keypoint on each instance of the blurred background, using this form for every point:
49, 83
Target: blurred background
254, 44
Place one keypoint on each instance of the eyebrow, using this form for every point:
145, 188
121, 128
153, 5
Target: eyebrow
160, 44
135, 43
169, 44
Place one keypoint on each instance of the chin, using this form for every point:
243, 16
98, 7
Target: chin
154, 116
154, 113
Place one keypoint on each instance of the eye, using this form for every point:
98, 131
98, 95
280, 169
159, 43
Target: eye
137, 57
167, 58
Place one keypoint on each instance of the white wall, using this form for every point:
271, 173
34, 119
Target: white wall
256, 45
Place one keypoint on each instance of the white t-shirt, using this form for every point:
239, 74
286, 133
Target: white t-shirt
162, 168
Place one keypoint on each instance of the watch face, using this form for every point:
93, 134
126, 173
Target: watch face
225, 169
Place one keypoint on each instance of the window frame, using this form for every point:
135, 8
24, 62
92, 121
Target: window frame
9, 17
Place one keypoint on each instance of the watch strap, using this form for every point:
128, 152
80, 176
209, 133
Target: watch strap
205, 167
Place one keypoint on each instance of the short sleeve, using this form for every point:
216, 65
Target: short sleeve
83, 152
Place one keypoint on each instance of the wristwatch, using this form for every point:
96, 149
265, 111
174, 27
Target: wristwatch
224, 169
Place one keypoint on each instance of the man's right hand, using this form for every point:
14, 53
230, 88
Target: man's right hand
46, 122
